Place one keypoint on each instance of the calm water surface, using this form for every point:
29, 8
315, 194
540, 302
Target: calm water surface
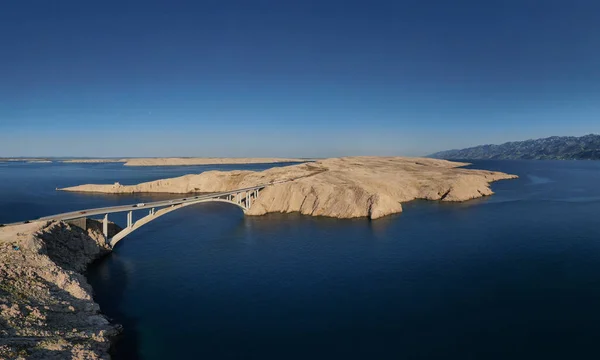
515, 275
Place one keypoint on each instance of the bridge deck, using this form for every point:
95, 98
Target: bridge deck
149, 205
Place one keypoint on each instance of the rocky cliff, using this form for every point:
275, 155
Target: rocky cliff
46, 305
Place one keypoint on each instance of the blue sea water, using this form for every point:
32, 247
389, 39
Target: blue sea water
511, 276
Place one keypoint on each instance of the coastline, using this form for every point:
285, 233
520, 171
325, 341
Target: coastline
182, 161
204, 161
47, 306
348, 187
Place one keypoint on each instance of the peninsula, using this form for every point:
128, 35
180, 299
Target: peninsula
338, 187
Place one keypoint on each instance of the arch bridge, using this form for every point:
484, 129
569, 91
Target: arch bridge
243, 198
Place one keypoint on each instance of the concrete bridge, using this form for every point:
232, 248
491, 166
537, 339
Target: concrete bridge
243, 198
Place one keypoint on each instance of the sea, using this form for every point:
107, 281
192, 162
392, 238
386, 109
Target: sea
515, 275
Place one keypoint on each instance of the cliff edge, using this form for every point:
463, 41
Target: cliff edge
46, 305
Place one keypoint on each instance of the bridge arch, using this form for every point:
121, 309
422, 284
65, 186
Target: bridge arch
243, 200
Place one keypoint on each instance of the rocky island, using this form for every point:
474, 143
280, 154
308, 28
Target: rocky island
339, 187
203, 161
46, 305
182, 161
26, 159
93, 161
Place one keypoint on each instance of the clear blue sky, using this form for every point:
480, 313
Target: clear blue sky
293, 78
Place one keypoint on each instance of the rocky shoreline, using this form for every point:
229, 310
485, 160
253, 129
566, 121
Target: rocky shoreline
338, 187
46, 305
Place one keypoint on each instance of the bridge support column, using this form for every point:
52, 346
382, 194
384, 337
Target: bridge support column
105, 227
130, 219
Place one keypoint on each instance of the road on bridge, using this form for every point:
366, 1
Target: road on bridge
149, 205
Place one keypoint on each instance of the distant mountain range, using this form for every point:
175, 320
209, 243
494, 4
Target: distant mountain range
553, 148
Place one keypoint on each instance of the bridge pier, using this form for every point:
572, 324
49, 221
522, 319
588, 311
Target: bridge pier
243, 198
105, 227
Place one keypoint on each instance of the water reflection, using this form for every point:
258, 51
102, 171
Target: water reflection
113, 272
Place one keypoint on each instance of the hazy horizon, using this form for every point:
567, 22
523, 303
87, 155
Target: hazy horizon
266, 156
293, 79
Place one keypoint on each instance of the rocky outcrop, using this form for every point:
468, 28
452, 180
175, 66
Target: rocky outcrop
340, 187
46, 305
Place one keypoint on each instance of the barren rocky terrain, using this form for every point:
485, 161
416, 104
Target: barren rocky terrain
338, 187
46, 305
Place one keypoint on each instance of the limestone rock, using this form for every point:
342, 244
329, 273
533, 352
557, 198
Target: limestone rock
338, 187
44, 295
